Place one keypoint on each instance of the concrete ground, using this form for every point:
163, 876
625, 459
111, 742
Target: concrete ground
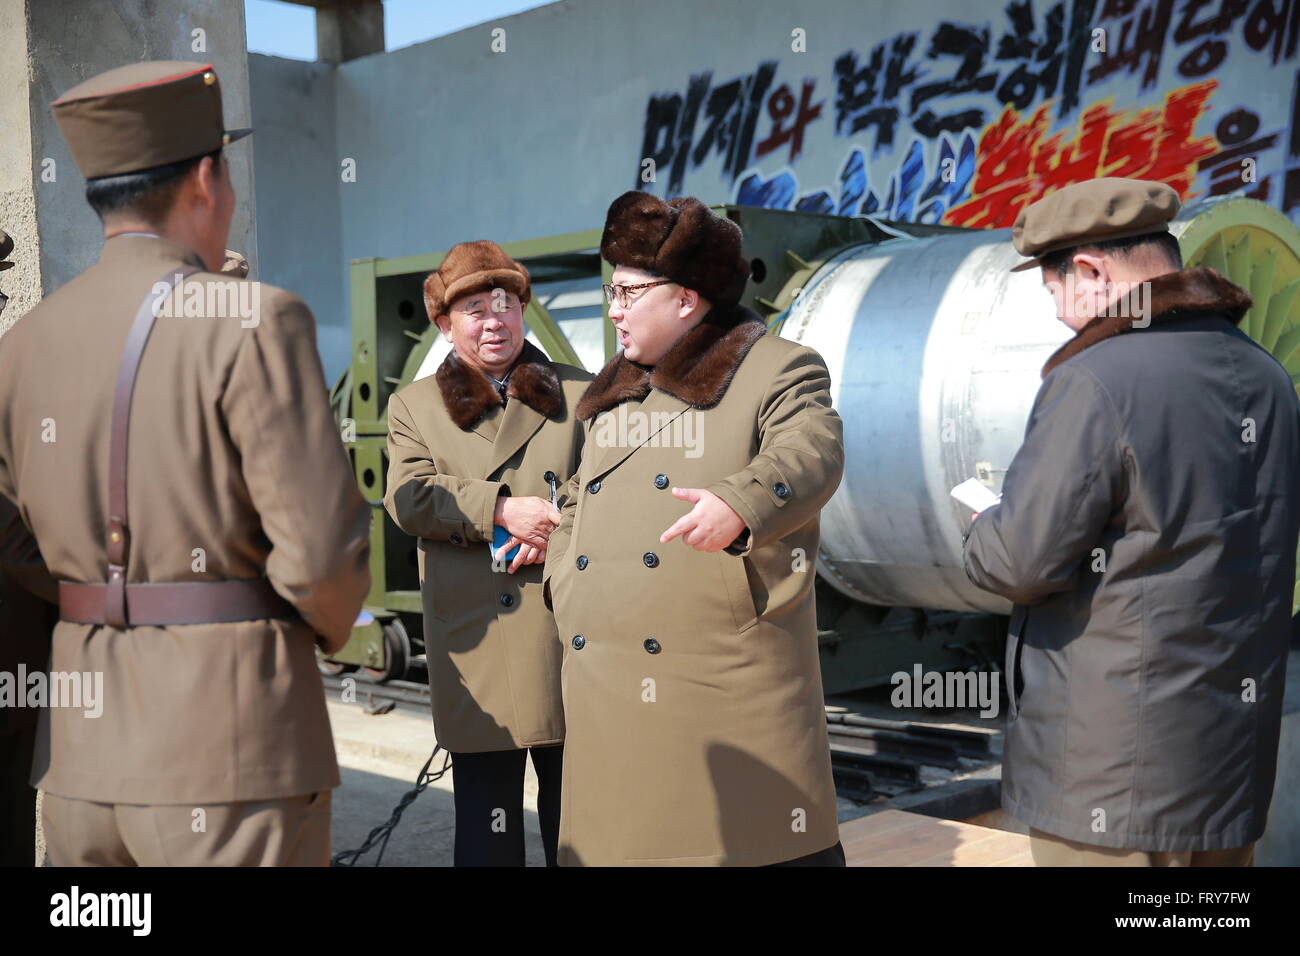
380, 756
379, 759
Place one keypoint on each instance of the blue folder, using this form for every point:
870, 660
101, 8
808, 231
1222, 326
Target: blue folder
499, 537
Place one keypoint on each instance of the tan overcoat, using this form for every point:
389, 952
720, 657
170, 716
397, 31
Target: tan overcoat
692, 690
493, 652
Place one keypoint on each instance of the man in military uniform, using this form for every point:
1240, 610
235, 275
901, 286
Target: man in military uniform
193, 500
1147, 535
483, 444
682, 572
27, 618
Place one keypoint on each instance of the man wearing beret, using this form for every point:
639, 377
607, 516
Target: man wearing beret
482, 445
1147, 537
27, 619
166, 436
682, 571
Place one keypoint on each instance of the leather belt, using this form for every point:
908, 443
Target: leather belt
121, 605
182, 602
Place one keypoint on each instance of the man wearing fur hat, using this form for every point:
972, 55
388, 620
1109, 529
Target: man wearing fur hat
481, 445
682, 572
1147, 535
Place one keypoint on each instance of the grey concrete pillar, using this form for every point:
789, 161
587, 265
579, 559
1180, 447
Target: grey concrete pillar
349, 29
47, 48
22, 283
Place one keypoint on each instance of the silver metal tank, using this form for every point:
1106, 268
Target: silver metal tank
935, 352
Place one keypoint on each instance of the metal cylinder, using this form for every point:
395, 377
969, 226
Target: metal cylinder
935, 351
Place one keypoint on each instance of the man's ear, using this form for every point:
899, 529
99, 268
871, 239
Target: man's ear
206, 181
444, 325
687, 302
1092, 265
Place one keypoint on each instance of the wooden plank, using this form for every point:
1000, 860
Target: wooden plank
899, 838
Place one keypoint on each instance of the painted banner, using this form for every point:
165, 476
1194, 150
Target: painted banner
964, 122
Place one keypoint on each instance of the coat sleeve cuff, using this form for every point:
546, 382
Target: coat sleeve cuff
492, 491
757, 494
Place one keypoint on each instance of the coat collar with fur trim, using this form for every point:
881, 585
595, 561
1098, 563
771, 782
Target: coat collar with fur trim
696, 370
1173, 296
468, 394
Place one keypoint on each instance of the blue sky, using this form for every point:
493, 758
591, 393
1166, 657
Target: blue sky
289, 30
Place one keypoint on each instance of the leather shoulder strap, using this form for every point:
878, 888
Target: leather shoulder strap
117, 533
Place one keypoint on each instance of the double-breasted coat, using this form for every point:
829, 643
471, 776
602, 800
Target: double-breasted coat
493, 652
692, 687
1147, 534
236, 470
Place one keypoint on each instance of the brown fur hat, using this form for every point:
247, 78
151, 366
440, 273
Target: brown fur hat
682, 239
471, 267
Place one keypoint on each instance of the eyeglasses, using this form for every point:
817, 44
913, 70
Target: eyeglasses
619, 293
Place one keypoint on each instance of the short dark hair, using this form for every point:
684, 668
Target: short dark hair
1062, 261
148, 194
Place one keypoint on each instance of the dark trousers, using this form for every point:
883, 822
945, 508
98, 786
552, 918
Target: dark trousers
831, 856
489, 792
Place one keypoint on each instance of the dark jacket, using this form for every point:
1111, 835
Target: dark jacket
1147, 534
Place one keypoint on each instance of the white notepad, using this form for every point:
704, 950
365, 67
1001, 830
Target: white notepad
975, 495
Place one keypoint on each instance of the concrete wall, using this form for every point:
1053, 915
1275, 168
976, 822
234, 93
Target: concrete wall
71, 40
454, 141
298, 194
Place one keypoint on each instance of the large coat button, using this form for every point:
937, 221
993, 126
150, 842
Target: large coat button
651, 559
507, 600
579, 642
661, 482
594, 486
782, 489
652, 646
581, 562
456, 538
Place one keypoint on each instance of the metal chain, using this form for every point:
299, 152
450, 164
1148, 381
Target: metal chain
380, 834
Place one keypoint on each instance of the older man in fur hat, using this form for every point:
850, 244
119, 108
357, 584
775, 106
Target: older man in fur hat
482, 445
1147, 535
682, 571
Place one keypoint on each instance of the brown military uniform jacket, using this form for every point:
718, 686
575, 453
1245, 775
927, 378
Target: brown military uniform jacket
494, 656
236, 471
